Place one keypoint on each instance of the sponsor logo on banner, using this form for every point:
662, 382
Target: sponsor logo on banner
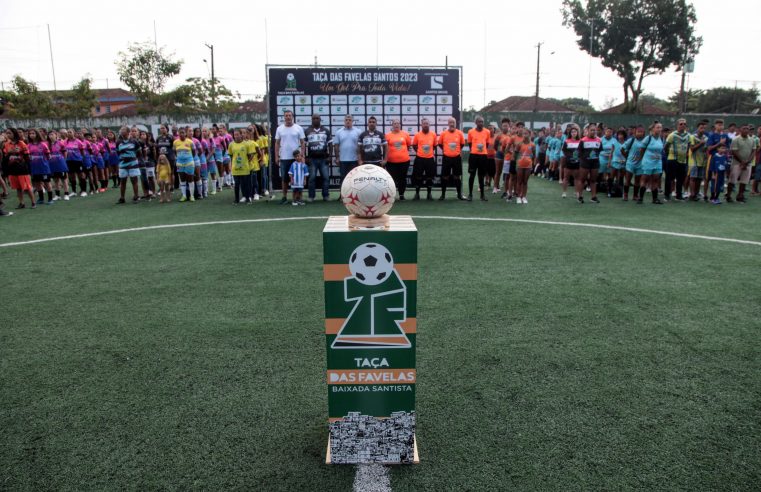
303, 99
322, 109
392, 110
303, 120
373, 99
437, 81
375, 109
391, 99
443, 99
303, 110
284, 100
427, 110
444, 109
442, 120
427, 99
338, 99
283, 109
409, 99
410, 120
409, 109
356, 99
320, 99
355, 110
338, 109
290, 82
337, 120
380, 302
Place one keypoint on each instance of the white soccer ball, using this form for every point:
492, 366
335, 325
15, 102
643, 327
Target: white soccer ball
290, 77
371, 264
368, 191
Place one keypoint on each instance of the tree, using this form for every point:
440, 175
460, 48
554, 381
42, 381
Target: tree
80, 100
721, 100
691, 100
203, 94
145, 70
649, 99
578, 104
27, 101
635, 39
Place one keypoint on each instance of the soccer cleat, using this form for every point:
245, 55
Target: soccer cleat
121, 200
256, 197
192, 198
442, 197
40, 201
295, 203
470, 198
66, 197
56, 198
580, 199
83, 194
564, 195
525, 201
594, 199
213, 192
3, 213
283, 201
657, 202
483, 198
266, 193
50, 202
242, 200
183, 198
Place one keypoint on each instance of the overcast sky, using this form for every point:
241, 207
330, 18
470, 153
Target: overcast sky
496, 38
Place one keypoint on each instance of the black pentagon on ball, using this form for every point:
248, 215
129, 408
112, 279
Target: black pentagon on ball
371, 245
360, 276
388, 257
370, 261
353, 258
381, 276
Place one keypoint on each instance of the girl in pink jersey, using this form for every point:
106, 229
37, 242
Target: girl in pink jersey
58, 165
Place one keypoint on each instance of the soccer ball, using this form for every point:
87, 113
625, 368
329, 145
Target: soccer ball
368, 191
371, 264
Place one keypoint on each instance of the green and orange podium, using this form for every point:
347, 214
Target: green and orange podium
370, 274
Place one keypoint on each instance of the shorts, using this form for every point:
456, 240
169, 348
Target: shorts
542, 158
491, 166
500, 156
604, 167
59, 175
100, 163
57, 165
40, 178
75, 167
757, 172
571, 166
509, 167
129, 173
618, 165
196, 162
212, 168
204, 170
21, 183
590, 164
86, 162
477, 163
150, 172
635, 169
113, 159
739, 175
451, 166
189, 168
652, 168
697, 172
285, 166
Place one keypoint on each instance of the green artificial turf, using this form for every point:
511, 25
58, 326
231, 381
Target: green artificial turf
550, 357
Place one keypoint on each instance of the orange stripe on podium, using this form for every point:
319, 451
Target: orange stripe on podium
333, 325
338, 272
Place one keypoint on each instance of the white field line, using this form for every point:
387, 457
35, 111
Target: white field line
422, 217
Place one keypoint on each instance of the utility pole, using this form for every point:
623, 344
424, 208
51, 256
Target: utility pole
52, 65
536, 93
591, 49
213, 80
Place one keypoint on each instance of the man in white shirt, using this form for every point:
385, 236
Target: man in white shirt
288, 137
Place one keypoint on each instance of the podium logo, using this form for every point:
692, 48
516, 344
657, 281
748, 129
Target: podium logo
380, 302
437, 81
290, 81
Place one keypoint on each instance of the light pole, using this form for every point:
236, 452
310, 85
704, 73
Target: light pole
213, 80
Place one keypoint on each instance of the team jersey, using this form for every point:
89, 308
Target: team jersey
298, 172
165, 146
715, 138
424, 144
17, 156
452, 142
491, 151
617, 155
499, 141
571, 150
653, 151
607, 145
317, 142
525, 153
74, 150
128, 151
183, 149
252, 148
478, 141
679, 146
719, 163
239, 158
398, 147
58, 149
590, 150
371, 144
264, 144
633, 146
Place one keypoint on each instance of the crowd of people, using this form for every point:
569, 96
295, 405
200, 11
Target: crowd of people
673, 164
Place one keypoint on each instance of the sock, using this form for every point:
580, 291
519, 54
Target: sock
192, 188
57, 192
50, 195
83, 185
40, 195
458, 187
429, 191
655, 194
636, 192
471, 179
206, 187
184, 188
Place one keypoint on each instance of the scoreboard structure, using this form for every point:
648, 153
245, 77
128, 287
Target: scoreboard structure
408, 94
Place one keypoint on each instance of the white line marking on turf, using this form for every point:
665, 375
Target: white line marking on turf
423, 217
372, 478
